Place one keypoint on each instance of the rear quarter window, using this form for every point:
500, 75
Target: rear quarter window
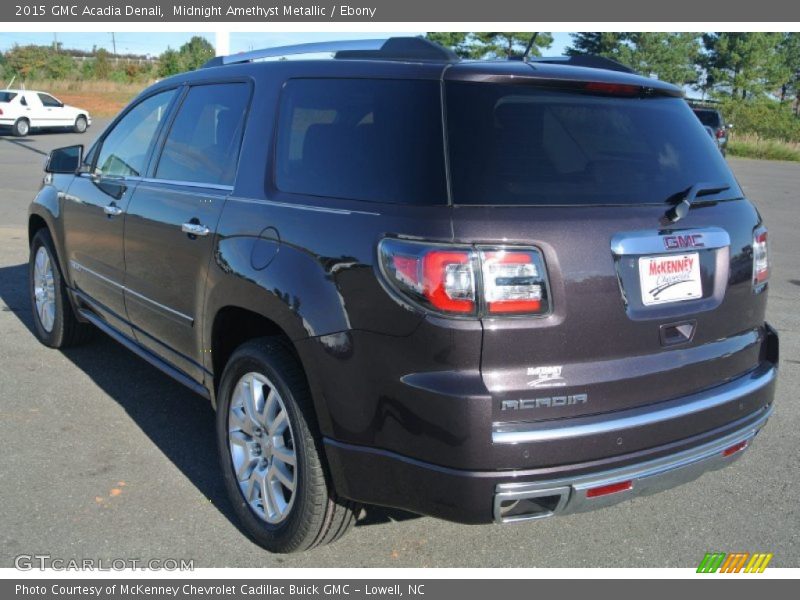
361, 139
513, 144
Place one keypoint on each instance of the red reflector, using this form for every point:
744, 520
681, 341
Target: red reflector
618, 89
612, 488
735, 448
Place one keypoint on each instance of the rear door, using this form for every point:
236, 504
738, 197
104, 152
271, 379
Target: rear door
170, 226
641, 309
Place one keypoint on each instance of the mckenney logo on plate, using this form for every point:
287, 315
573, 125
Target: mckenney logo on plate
670, 278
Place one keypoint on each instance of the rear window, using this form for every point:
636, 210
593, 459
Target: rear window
515, 145
709, 118
360, 139
7, 96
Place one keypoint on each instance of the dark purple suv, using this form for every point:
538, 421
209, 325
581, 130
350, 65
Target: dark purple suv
483, 291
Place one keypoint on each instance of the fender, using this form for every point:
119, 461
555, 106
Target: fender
47, 206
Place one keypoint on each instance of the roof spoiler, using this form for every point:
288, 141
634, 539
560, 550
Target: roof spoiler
591, 61
398, 48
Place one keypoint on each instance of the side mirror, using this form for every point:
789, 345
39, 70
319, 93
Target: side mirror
729, 126
64, 160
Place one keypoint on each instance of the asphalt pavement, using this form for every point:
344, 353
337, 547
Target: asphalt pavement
105, 457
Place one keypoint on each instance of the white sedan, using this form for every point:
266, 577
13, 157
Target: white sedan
24, 110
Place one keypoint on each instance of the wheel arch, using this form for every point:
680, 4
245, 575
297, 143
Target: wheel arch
233, 325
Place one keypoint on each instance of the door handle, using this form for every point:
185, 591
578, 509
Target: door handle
195, 229
112, 210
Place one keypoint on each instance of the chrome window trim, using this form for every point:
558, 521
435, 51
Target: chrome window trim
309, 207
192, 184
503, 433
651, 241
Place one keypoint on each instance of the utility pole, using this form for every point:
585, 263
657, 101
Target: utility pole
114, 43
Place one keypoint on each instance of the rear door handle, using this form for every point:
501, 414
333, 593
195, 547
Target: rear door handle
112, 210
195, 229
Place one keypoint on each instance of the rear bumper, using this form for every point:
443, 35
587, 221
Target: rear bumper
534, 500
377, 476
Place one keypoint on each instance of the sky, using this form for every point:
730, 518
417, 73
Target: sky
155, 43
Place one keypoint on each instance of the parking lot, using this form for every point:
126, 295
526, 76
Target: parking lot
105, 457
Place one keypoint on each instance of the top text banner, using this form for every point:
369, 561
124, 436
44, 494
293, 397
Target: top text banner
439, 11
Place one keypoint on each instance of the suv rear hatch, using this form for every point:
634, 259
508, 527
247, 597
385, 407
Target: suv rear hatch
639, 309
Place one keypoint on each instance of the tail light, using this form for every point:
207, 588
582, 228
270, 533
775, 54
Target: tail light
760, 257
467, 281
720, 133
1, 111
512, 281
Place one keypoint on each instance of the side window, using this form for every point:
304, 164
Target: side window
49, 101
204, 141
377, 140
124, 150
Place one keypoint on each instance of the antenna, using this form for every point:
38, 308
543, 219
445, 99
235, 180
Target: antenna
530, 46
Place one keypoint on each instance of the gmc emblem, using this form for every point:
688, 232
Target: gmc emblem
675, 242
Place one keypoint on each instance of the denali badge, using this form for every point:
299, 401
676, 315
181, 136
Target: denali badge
692, 240
550, 402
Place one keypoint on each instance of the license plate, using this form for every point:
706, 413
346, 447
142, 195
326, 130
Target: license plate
670, 278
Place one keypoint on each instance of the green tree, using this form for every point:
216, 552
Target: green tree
505, 44
195, 53
43, 62
671, 57
486, 45
101, 65
743, 64
169, 63
455, 40
790, 59
608, 44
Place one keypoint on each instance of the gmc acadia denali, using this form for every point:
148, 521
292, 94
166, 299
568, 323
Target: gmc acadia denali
483, 291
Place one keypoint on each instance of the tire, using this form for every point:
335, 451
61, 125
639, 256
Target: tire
54, 320
21, 127
81, 124
313, 514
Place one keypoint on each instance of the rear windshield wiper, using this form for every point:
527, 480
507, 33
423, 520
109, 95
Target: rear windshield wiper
681, 209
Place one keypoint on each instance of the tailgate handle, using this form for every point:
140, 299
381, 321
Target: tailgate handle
677, 333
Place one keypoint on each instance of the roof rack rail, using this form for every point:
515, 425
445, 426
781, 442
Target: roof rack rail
591, 61
398, 48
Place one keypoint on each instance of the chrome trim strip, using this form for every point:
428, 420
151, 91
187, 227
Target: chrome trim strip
651, 241
598, 425
79, 267
647, 477
172, 311
322, 209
